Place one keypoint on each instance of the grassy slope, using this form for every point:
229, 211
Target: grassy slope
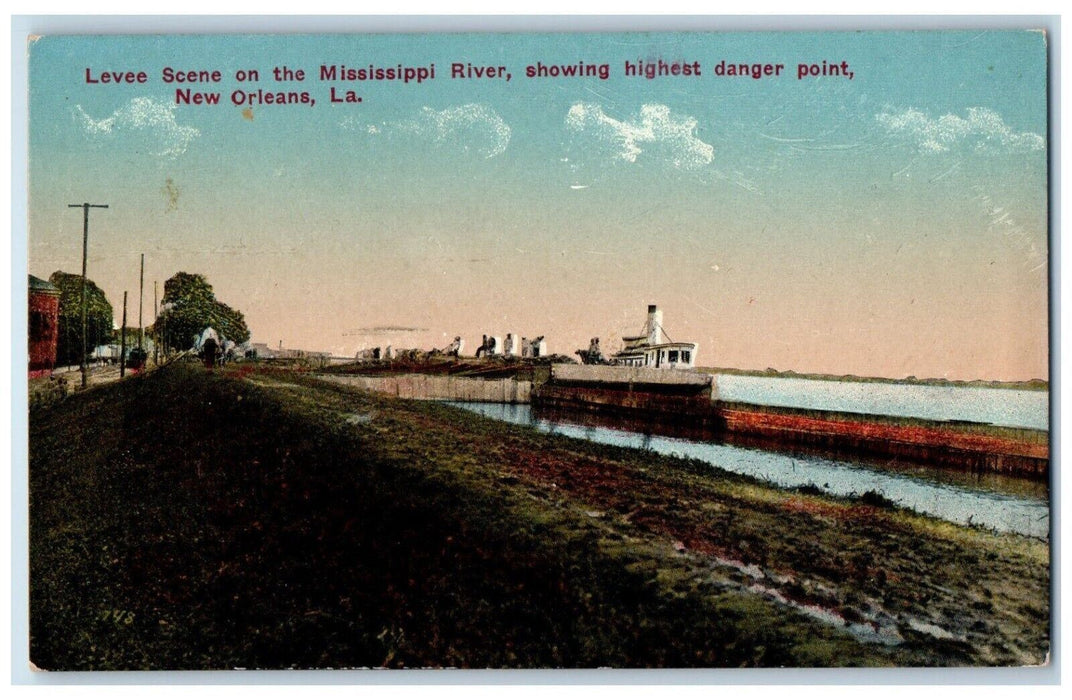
227, 524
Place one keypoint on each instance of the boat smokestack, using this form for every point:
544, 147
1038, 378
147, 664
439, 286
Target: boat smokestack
655, 325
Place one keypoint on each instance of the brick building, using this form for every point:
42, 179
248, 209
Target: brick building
44, 309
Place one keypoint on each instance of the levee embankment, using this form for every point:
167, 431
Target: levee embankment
252, 518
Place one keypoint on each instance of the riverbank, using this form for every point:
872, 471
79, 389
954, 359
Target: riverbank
185, 519
947, 427
1000, 504
679, 405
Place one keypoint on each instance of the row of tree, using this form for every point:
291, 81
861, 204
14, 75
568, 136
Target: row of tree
188, 307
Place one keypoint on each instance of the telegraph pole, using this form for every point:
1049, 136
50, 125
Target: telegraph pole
156, 329
85, 252
123, 341
141, 298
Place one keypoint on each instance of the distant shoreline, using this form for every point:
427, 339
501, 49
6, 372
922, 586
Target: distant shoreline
1028, 385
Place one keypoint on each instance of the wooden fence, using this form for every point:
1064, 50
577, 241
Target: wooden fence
439, 387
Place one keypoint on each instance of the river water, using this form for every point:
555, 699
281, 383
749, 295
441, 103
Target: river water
1016, 408
953, 502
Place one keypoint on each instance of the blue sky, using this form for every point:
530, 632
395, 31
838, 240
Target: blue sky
892, 224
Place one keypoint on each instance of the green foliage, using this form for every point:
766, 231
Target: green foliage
193, 307
131, 332
99, 317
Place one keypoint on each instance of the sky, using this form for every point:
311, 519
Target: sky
891, 224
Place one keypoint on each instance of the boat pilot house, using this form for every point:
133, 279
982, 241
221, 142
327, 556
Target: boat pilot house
653, 349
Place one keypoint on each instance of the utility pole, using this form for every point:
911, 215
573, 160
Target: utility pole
156, 329
123, 341
141, 298
85, 253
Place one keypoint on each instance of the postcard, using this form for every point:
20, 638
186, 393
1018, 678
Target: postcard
539, 350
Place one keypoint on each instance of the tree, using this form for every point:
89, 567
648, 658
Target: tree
190, 306
99, 317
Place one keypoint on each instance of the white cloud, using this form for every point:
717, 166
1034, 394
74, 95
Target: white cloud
471, 127
984, 129
146, 117
654, 128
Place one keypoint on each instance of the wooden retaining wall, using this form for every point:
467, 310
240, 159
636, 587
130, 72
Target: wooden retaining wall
974, 447
931, 442
440, 387
1031, 436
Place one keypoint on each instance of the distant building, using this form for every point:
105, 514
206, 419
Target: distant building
44, 309
650, 350
109, 354
263, 351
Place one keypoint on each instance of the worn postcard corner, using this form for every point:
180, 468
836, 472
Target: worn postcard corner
589, 350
